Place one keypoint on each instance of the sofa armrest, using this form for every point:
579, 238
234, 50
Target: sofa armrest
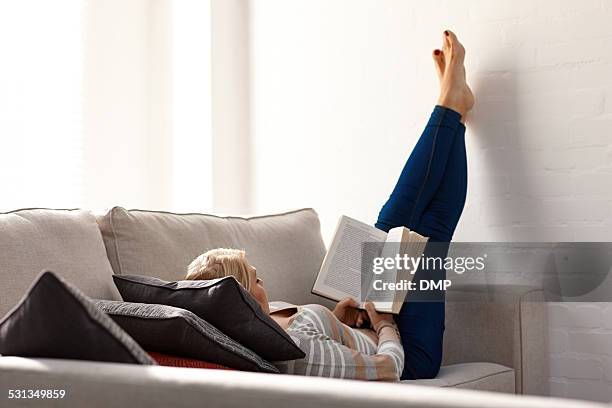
119, 385
504, 324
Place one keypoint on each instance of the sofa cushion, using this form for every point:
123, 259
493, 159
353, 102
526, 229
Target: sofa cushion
65, 241
224, 303
286, 249
475, 376
179, 332
56, 320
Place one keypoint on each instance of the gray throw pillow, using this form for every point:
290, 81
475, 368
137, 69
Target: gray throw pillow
178, 332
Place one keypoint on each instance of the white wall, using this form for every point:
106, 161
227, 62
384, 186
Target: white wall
117, 123
341, 90
231, 144
147, 130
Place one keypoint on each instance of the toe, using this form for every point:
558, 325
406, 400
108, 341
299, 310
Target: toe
446, 36
450, 37
446, 42
443, 59
453, 45
438, 57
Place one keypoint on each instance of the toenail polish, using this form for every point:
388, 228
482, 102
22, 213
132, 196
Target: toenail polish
446, 33
437, 52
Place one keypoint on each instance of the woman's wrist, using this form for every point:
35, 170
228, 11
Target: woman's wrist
381, 324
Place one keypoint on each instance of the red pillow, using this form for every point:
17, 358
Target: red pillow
174, 361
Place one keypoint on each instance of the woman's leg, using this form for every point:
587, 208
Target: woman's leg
441, 216
429, 198
423, 174
421, 319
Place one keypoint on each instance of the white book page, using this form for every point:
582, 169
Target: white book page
340, 275
383, 300
399, 241
414, 247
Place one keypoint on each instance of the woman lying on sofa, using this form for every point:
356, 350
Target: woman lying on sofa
429, 199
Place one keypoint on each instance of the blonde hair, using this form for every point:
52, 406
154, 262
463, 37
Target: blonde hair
219, 263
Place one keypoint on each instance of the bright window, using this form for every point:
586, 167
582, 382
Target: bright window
105, 103
40, 103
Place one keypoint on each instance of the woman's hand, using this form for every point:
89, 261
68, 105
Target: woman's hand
376, 317
346, 311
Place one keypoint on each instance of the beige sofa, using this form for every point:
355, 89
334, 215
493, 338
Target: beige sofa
495, 336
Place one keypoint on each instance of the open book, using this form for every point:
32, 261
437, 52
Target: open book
343, 274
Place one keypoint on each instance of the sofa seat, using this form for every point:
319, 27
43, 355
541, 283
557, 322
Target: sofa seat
118, 385
475, 376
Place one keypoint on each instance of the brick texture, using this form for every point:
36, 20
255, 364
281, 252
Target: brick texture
547, 176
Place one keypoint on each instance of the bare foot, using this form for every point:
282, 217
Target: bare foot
455, 93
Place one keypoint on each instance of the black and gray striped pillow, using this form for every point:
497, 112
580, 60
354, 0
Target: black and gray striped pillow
179, 332
224, 303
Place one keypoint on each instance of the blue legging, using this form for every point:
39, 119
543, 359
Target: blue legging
429, 199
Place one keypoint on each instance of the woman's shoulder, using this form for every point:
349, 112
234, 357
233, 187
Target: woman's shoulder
316, 307
311, 318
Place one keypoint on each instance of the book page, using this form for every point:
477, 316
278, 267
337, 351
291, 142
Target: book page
383, 300
414, 248
340, 275
400, 241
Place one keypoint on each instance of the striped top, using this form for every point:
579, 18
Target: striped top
334, 349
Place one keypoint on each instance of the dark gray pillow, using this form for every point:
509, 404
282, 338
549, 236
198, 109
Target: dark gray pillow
224, 303
56, 320
178, 332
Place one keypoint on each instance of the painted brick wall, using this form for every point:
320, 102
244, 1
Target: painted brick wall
542, 158
341, 90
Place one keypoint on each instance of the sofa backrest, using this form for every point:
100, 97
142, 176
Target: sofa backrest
67, 242
287, 249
